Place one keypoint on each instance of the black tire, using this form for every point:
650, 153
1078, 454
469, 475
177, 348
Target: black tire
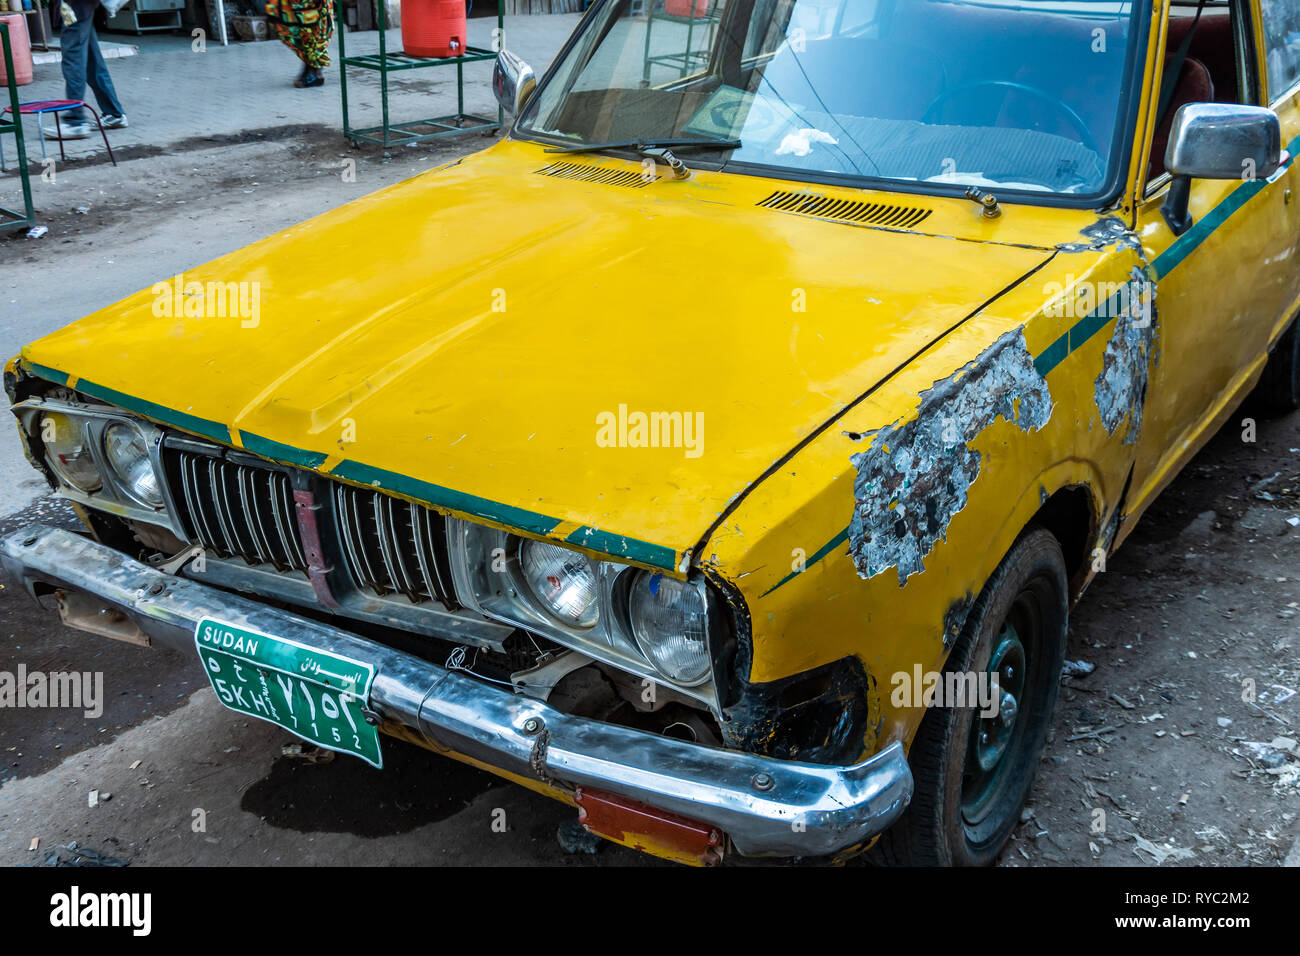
947, 822
1279, 387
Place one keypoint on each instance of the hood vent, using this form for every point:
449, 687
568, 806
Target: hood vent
633, 178
847, 210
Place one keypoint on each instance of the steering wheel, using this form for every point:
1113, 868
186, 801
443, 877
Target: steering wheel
1076, 122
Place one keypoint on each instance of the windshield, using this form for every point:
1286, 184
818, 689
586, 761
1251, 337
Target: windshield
1013, 96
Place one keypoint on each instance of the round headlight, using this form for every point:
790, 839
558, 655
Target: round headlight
670, 623
128, 455
67, 451
563, 581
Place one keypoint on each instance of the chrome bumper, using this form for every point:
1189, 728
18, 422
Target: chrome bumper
801, 809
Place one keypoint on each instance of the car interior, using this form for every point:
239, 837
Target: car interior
1209, 72
938, 63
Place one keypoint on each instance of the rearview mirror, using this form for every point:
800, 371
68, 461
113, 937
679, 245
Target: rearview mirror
1218, 141
513, 82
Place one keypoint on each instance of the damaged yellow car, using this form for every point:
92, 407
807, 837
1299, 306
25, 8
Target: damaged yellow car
786, 356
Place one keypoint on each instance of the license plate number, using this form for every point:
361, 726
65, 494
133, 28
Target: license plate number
317, 695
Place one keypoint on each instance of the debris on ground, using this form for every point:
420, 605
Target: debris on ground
573, 837
308, 752
1078, 668
1162, 853
1273, 754
73, 855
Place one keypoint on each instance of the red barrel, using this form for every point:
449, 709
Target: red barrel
433, 27
22, 52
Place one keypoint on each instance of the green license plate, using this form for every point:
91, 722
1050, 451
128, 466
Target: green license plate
317, 695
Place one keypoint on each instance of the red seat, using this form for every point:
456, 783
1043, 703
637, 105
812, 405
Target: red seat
1194, 86
45, 106
38, 108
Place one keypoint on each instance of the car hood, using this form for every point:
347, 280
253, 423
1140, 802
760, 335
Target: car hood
483, 338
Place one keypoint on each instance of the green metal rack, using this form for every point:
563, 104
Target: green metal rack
11, 221
413, 131
703, 23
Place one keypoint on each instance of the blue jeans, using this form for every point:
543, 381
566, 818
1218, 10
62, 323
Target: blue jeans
80, 49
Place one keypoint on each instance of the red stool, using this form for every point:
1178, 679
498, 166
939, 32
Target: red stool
39, 108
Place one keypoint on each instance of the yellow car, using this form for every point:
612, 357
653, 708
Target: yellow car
722, 451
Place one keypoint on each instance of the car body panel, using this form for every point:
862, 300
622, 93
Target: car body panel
406, 340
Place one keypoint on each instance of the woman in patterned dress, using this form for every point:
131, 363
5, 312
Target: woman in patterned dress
305, 26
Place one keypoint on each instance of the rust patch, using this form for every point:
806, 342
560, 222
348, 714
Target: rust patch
916, 474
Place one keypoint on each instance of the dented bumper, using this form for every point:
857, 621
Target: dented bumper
768, 807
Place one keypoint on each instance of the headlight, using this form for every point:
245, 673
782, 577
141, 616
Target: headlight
640, 622
127, 452
670, 622
68, 452
562, 581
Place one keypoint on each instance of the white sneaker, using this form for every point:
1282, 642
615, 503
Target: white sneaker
114, 122
69, 130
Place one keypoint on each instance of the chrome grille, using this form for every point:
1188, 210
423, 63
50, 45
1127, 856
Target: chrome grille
392, 546
236, 510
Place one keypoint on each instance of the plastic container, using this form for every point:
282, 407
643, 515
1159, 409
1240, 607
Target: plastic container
433, 27
685, 8
22, 51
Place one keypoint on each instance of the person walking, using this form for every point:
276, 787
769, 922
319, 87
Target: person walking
305, 26
83, 63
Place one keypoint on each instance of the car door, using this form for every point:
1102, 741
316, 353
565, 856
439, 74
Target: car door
1225, 287
1278, 46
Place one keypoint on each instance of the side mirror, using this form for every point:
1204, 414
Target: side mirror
513, 81
1218, 141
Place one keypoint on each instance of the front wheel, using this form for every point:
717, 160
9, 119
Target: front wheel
973, 772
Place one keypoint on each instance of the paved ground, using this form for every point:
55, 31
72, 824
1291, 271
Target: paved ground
1157, 737
172, 92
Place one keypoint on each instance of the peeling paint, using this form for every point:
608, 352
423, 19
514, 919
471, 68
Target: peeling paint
1105, 232
1121, 386
916, 475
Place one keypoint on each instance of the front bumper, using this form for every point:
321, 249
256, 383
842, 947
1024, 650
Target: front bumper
768, 807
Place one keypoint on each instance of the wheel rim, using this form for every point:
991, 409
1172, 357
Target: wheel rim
995, 741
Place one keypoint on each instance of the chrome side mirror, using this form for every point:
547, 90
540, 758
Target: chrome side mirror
513, 81
1218, 141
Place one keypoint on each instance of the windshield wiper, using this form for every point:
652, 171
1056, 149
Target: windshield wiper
643, 145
